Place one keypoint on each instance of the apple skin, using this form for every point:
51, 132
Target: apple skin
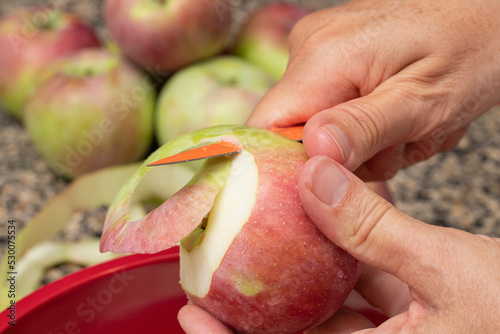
92, 110
150, 235
263, 39
163, 36
280, 274
221, 90
30, 39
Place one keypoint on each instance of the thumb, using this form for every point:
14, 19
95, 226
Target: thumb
350, 214
378, 123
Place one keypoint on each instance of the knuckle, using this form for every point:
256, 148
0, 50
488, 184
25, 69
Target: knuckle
368, 225
300, 32
296, 32
368, 124
310, 35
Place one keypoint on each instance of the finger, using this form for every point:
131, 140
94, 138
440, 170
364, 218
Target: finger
364, 224
297, 97
451, 141
318, 76
423, 149
357, 303
353, 132
343, 321
384, 291
195, 320
380, 289
382, 189
383, 166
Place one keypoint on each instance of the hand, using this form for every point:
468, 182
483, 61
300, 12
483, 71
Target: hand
427, 279
383, 85
452, 277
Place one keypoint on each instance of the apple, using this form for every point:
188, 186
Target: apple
163, 36
221, 90
263, 39
31, 38
249, 254
93, 109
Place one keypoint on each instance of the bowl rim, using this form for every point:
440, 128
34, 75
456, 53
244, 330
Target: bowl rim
82, 277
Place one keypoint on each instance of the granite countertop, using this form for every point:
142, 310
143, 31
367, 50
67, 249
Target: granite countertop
459, 188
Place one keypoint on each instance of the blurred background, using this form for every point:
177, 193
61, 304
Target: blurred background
459, 188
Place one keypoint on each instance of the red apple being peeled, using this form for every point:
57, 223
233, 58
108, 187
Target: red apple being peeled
92, 110
263, 39
163, 35
29, 40
221, 90
249, 254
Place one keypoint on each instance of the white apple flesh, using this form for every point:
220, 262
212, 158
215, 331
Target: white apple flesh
254, 260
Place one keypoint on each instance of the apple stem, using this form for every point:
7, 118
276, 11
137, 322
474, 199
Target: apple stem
204, 222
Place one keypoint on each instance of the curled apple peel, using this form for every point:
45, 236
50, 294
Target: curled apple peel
249, 254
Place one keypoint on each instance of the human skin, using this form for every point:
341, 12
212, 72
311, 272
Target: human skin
385, 85
382, 86
426, 278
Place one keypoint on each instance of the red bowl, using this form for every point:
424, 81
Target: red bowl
133, 294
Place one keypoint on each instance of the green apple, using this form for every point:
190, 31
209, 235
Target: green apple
263, 39
249, 254
93, 109
221, 90
29, 40
163, 35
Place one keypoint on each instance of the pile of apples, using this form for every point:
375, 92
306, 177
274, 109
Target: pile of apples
173, 67
249, 254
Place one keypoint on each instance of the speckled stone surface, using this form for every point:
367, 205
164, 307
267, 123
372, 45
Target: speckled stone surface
459, 188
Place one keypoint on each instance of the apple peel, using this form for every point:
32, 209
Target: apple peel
165, 226
87, 192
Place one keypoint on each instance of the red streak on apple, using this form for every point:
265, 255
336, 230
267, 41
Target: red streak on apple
273, 23
31, 38
164, 37
163, 227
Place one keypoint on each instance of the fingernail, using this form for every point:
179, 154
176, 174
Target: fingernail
327, 182
339, 138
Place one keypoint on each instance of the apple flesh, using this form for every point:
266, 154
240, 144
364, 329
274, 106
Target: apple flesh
30, 39
221, 90
263, 39
249, 254
92, 110
163, 36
